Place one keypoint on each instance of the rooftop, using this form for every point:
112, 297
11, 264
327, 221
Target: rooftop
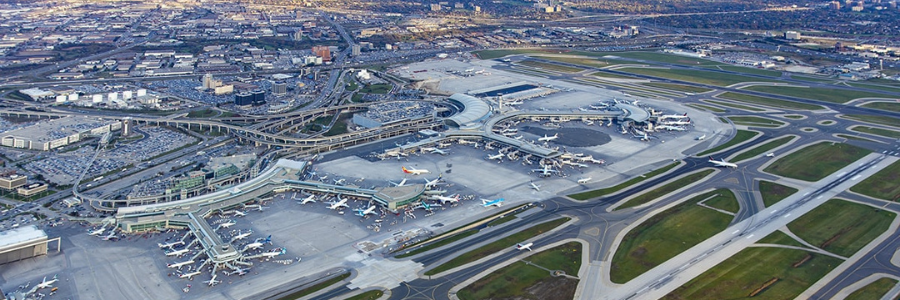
474, 109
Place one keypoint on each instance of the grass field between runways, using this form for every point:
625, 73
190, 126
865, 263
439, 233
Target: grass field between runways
670, 233
765, 273
815, 162
521, 280
884, 184
841, 227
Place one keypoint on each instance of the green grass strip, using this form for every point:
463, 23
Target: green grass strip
874, 290
498, 245
780, 238
665, 189
740, 137
516, 280
877, 131
678, 87
370, 295
821, 94
766, 101
734, 105
756, 151
883, 120
606, 191
315, 288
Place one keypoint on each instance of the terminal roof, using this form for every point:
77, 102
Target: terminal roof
474, 110
13, 237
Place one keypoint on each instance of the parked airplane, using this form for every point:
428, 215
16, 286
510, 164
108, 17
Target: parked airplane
177, 252
235, 212
548, 138
170, 245
700, 138
311, 198
365, 212
97, 232
179, 265
722, 163
545, 172
524, 246
671, 128
402, 182
189, 276
414, 171
487, 203
336, 205
226, 224
426, 206
241, 236
237, 271
498, 156
445, 199
432, 183
439, 151
213, 281
584, 180
674, 116
535, 187
272, 254
45, 283
110, 236
339, 181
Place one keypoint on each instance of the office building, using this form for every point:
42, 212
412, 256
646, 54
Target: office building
322, 51
243, 99
11, 182
279, 88
354, 51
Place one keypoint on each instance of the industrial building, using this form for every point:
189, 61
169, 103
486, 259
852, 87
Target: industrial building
23, 243
56, 133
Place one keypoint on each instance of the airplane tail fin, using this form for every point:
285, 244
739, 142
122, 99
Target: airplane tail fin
711, 158
404, 170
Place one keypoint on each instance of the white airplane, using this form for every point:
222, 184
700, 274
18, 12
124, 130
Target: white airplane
213, 281
252, 246
238, 271
97, 232
466, 142
443, 145
179, 265
45, 283
110, 236
170, 245
226, 224
445, 199
235, 212
414, 171
189, 276
427, 149
488, 203
241, 236
425, 205
340, 181
177, 252
365, 212
432, 183
688, 122
524, 246
311, 198
439, 151
700, 138
272, 254
336, 205
771, 154
671, 128
722, 163
535, 186
584, 180
548, 138
546, 171
402, 182
674, 116
498, 156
